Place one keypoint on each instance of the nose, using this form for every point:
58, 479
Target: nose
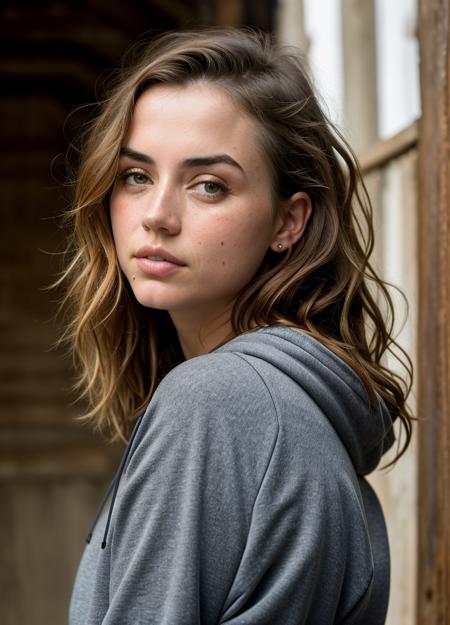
162, 212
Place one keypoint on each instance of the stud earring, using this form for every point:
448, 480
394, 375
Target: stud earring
280, 246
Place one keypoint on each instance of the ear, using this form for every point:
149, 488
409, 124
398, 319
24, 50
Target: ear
294, 214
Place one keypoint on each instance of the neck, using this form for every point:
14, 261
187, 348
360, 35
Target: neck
200, 335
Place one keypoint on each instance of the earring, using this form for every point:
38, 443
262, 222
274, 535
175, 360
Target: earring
280, 246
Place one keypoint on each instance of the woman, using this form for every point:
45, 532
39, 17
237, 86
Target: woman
225, 328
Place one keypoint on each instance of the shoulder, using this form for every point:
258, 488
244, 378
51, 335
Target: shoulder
212, 412
219, 379
212, 400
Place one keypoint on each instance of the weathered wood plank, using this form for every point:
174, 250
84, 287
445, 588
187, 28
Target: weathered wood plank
384, 151
434, 317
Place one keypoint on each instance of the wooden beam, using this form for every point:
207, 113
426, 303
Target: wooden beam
384, 151
290, 24
433, 593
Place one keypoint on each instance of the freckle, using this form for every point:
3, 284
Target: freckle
223, 263
221, 243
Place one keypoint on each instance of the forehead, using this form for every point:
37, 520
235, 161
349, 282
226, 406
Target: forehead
198, 117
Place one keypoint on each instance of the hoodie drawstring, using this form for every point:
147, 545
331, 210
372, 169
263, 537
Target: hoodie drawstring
114, 485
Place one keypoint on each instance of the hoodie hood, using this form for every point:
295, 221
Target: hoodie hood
331, 383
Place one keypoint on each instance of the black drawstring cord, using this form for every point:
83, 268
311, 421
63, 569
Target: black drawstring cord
100, 508
114, 485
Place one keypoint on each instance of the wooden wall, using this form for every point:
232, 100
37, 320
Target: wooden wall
433, 596
52, 470
54, 57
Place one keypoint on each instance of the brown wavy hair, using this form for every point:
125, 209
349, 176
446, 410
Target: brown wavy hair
324, 285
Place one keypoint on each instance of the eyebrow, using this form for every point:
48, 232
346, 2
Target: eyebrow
197, 161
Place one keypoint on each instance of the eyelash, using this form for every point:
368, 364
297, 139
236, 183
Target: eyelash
223, 189
127, 174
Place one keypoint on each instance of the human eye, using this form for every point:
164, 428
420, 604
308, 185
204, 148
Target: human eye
212, 189
134, 177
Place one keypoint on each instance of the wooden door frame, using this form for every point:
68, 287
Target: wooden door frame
433, 593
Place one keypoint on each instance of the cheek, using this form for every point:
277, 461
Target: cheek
120, 239
116, 230
251, 239
121, 223
236, 249
114, 216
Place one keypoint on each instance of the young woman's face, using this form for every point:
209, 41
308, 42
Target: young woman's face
191, 210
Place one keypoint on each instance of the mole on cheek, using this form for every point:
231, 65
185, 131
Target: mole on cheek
223, 263
221, 243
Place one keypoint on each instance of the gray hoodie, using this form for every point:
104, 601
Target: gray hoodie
241, 498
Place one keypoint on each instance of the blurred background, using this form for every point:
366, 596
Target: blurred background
381, 68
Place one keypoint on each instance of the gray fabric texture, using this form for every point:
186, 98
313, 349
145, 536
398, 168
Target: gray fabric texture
243, 500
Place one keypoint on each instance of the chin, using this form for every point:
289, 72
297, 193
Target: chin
152, 302
158, 301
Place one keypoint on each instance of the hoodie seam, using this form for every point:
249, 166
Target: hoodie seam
359, 603
249, 364
351, 387
245, 359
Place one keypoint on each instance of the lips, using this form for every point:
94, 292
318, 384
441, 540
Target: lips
158, 254
155, 262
